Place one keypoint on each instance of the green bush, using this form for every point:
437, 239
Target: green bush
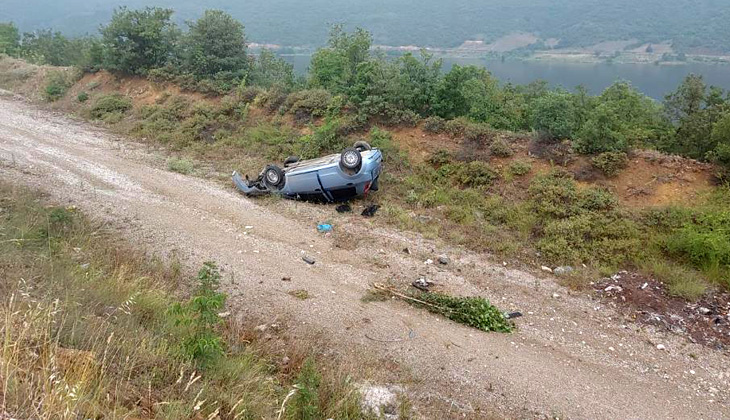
610, 163
305, 404
180, 165
323, 140
478, 133
472, 174
58, 83
519, 168
705, 243
554, 194
306, 104
555, 116
440, 157
456, 127
597, 199
434, 125
82, 97
110, 108
500, 148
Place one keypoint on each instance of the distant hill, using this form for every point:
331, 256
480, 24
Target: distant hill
691, 25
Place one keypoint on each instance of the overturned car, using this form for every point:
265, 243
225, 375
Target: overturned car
337, 177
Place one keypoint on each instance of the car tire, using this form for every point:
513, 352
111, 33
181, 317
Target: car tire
274, 177
351, 159
290, 160
362, 146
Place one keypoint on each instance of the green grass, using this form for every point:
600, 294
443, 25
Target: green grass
180, 165
89, 327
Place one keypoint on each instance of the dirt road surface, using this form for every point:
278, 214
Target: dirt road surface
571, 357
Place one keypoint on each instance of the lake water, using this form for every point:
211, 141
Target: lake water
653, 80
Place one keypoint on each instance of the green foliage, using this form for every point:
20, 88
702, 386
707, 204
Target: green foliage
268, 71
705, 242
57, 84
323, 140
610, 163
180, 165
475, 312
197, 320
554, 194
519, 168
554, 115
82, 97
306, 104
214, 48
472, 174
137, 41
305, 403
501, 148
9, 39
434, 124
335, 67
110, 108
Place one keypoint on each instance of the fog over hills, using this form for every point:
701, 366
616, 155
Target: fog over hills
691, 25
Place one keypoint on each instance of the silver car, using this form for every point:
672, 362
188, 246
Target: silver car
337, 177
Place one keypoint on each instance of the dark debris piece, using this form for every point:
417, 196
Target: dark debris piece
308, 260
344, 208
370, 210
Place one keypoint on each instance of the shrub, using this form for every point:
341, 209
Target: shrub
323, 140
434, 124
705, 243
57, 85
500, 148
180, 165
610, 163
472, 174
306, 104
440, 157
554, 194
478, 133
597, 199
519, 168
82, 97
271, 99
305, 404
110, 107
554, 116
456, 127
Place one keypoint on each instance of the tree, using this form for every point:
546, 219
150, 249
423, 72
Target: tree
602, 132
449, 100
9, 39
688, 99
554, 115
48, 47
268, 70
335, 66
137, 41
215, 47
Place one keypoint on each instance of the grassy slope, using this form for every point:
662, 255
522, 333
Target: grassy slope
86, 332
509, 201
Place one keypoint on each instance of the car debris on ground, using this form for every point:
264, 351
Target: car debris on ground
343, 208
308, 260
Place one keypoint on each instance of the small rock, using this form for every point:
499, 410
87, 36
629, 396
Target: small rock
644, 286
556, 296
308, 260
248, 227
443, 260
563, 270
546, 269
612, 288
428, 261
261, 328
285, 360
660, 347
286, 279
85, 266
406, 251
224, 314
705, 311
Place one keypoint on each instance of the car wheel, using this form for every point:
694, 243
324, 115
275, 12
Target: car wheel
362, 146
350, 158
274, 177
290, 160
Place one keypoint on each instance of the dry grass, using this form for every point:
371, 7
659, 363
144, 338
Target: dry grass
86, 332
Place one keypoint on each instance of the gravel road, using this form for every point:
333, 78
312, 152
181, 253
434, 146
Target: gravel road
571, 357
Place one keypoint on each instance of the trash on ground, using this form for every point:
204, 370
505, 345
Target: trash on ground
428, 261
475, 312
324, 227
286, 278
422, 284
370, 210
546, 269
406, 250
308, 260
344, 208
512, 315
562, 270
352, 173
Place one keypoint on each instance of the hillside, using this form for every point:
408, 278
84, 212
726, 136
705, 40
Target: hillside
691, 25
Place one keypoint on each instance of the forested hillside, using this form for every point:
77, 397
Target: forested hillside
692, 25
